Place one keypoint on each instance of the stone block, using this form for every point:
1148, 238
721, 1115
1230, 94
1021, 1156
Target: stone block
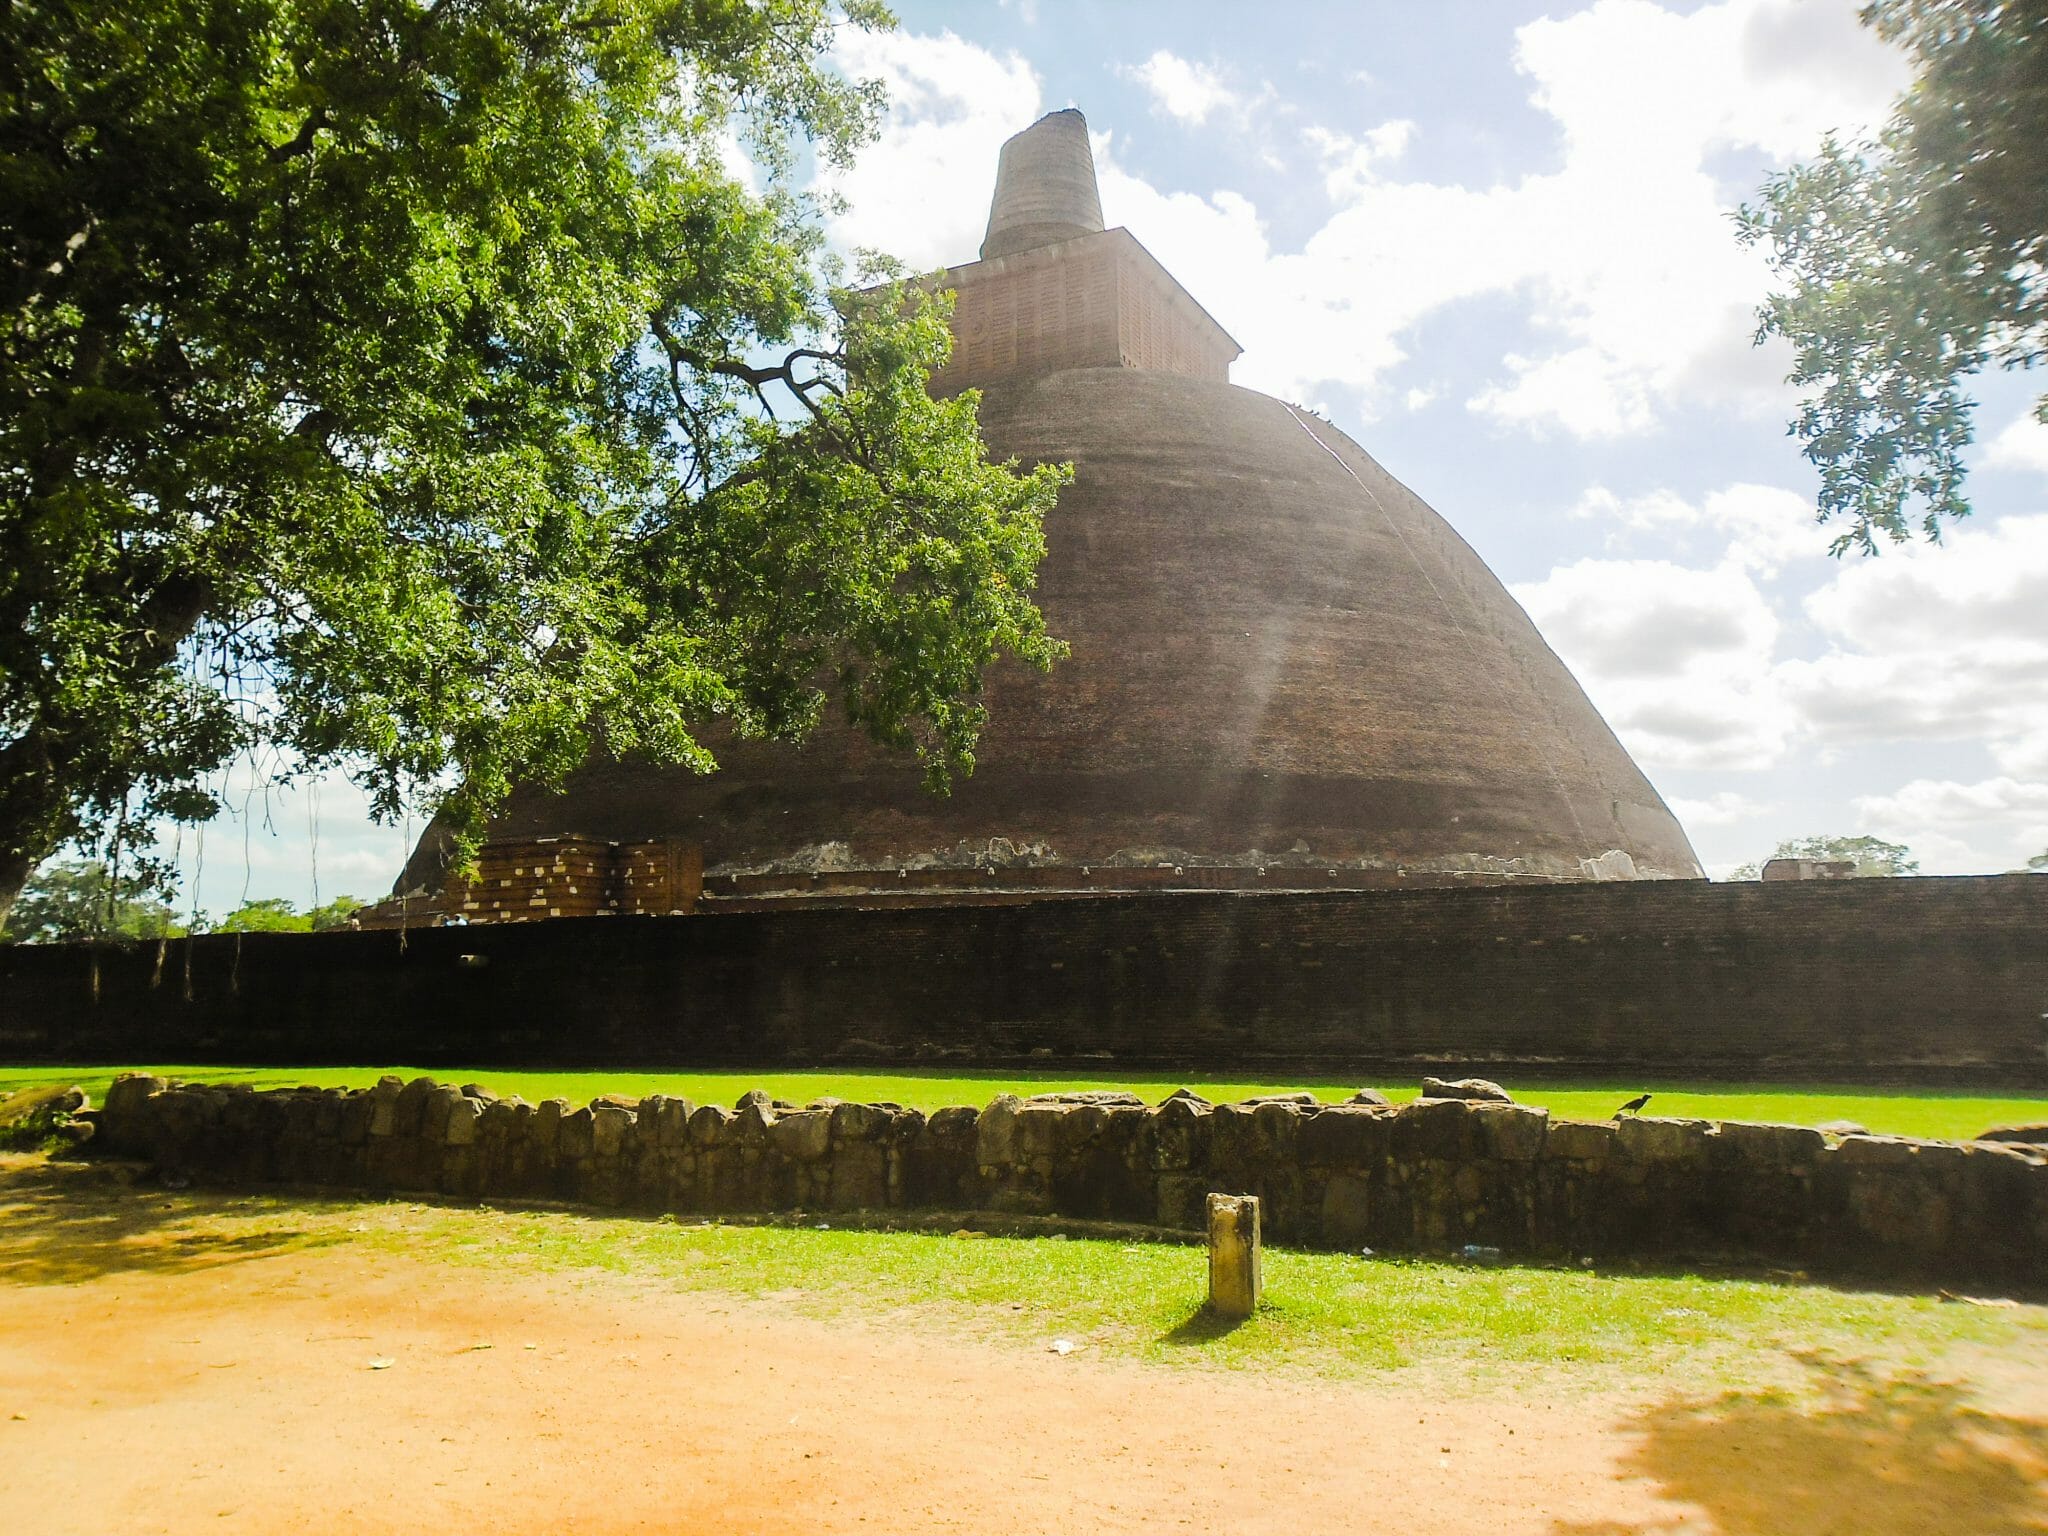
1897, 1152
1475, 1089
802, 1137
860, 1176
464, 1116
958, 1122
547, 1126
354, 1127
574, 1136
672, 1125
1512, 1133
127, 1093
610, 1126
995, 1133
1748, 1144
384, 1106
1347, 1211
1082, 1124
708, 1125
1650, 1139
411, 1104
858, 1122
1345, 1137
435, 1113
750, 1122
1179, 1136
1037, 1133
1275, 1123
1442, 1129
328, 1108
1183, 1201
1579, 1141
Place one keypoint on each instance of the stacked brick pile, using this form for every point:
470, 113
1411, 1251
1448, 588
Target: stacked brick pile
657, 878
550, 877
519, 882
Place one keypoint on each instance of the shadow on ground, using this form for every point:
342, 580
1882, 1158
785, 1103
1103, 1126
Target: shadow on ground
1202, 1326
65, 1222
1880, 1455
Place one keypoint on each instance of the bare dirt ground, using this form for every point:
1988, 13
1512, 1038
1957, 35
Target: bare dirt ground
156, 1379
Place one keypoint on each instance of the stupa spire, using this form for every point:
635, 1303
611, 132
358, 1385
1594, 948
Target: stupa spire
1045, 187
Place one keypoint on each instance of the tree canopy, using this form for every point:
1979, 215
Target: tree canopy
1870, 855
81, 899
1913, 262
415, 385
278, 914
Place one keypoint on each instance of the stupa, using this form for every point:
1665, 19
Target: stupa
1287, 671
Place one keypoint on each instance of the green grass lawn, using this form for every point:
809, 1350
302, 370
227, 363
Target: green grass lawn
1326, 1314
1938, 1113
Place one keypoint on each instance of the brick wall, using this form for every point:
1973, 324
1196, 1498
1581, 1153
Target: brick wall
1924, 980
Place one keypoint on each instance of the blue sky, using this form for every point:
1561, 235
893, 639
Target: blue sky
1491, 242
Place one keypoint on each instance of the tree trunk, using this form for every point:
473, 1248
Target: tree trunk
15, 868
41, 769
34, 808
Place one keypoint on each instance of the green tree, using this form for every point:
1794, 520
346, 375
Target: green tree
76, 899
2038, 864
1870, 855
1914, 262
268, 914
335, 914
409, 384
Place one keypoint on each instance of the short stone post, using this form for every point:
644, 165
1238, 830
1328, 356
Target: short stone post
1234, 1255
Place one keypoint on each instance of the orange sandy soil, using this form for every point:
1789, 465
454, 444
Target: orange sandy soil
154, 1378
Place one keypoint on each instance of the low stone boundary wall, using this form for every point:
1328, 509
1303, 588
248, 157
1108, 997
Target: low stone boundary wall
1431, 1176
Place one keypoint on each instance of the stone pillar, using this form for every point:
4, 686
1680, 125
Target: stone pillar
1234, 1255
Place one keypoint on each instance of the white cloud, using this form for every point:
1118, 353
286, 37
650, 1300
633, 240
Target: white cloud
1587, 392
1677, 659
1722, 809
305, 841
2023, 445
1941, 643
1622, 254
1185, 90
1759, 527
922, 191
1993, 824
1937, 643
1419, 397
1352, 164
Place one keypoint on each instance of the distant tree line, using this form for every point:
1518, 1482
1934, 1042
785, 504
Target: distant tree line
80, 899
1870, 855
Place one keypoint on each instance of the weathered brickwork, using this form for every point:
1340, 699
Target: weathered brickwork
522, 880
1096, 301
1431, 1176
1918, 980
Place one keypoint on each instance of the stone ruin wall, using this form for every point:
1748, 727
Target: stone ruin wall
524, 880
1431, 1176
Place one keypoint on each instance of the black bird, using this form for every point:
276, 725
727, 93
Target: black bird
1634, 1106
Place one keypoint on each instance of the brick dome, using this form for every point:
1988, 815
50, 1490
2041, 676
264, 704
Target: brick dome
1287, 671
